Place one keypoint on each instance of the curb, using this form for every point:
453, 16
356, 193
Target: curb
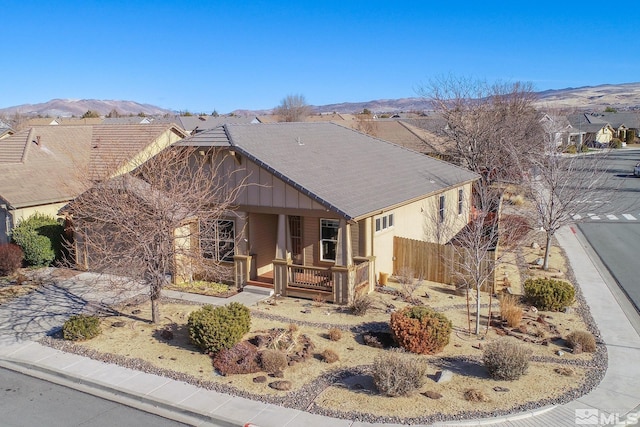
135, 400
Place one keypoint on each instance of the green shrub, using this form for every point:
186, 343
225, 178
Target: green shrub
273, 360
40, 237
549, 294
396, 373
420, 329
242, 358
11, 257
584, 148
506, 359
583, 340
571, 149
81, 327
216, 328
615, 143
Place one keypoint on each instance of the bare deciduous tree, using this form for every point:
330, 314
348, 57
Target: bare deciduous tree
172, 214
292, 108
492, 128
366, 124
563, 188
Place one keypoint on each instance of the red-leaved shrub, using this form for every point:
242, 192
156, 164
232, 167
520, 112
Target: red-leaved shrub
11, 257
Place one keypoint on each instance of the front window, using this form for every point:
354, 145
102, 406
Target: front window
295, 230
460, 201
328, 239
217, 240
441, 209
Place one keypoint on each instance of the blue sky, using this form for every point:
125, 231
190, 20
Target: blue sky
227, 55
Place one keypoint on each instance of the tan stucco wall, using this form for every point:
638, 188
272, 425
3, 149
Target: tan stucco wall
604, 135
419, 221
23, 213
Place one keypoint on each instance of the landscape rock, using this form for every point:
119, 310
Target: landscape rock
282, 385
559, 352
432, 395
500, 389
444, 376
535, 245
260, 379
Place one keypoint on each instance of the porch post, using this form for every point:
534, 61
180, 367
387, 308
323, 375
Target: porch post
281, 244
344, 251
242, 270
280, 277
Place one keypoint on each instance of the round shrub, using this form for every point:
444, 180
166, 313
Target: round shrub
335, 334
420, 329
40, 237
396, 373
583, 340
273, 361
216, 328
571, 149
549, 294
329, 356
11, 257
506, 359
242, 358
81, 327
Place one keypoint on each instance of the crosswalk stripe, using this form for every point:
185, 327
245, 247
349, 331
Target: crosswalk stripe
577, 217
629, 217
612, 217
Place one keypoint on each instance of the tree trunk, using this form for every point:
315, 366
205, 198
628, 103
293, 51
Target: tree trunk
477, 309
547, 251
155, 309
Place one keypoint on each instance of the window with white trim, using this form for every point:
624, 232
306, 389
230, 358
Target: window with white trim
217, 240
328, 239
441, 207
460, 201
384, 222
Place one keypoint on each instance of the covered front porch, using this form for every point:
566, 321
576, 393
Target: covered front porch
314, 258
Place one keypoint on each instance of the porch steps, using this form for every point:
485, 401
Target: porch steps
267, 292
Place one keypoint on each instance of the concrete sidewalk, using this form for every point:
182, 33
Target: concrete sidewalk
617, 395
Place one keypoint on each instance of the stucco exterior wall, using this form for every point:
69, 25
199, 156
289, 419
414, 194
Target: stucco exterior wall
11, 218
420, 220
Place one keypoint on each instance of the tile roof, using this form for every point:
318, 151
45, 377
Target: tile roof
114, 145
43, 164
46, 164
349, 172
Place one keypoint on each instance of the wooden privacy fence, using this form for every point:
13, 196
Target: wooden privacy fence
435, 262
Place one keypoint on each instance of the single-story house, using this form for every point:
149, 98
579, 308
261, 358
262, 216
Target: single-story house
42, 168
320, 204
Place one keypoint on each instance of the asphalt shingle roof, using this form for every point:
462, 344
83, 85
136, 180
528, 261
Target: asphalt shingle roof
352, 173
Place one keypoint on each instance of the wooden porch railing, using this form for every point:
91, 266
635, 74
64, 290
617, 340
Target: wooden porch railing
305, 277
362, 273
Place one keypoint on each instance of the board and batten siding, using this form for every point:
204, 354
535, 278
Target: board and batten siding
260, 187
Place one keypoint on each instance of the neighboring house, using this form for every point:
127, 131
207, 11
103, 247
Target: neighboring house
129, 120
591, 130
44, 167
66, 121
321, 203
196, 124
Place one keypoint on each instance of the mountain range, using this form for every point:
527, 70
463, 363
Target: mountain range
625, 96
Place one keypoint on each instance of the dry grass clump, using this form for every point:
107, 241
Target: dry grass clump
511, 310
361, 304
475, 395
581, 341
329, 356
564, 371
335, 334
506, 359
273, 361
396, 373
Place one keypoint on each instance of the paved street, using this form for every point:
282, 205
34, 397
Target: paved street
26, 401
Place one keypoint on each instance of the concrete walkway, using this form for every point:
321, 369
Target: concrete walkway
26, 319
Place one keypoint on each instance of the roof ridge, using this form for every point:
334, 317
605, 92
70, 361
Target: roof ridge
26, 145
